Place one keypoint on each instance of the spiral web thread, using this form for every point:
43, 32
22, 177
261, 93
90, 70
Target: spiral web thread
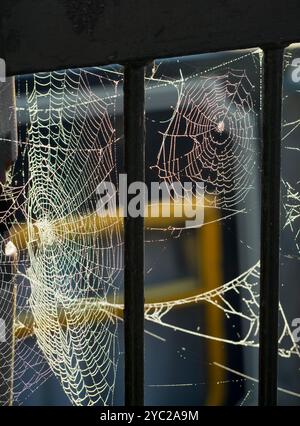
210, 137
70, 150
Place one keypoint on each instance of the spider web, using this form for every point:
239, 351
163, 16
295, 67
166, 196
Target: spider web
246, 286
70, 150
210, 137
70, 259
290, 137
291, 205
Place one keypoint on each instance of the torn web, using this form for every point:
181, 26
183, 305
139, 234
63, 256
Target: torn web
212, 134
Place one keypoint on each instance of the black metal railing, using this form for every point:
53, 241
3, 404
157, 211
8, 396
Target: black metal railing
165, 29
134, 128
270, 224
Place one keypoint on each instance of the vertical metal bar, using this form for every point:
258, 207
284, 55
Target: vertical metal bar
134, 128
270, 226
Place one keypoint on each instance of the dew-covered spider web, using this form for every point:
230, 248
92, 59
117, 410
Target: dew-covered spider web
289, 266
210, 136
67, 253
67, 274
290, 144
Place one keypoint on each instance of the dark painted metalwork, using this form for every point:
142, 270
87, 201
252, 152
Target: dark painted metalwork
54, 34
270, 225
134, 127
